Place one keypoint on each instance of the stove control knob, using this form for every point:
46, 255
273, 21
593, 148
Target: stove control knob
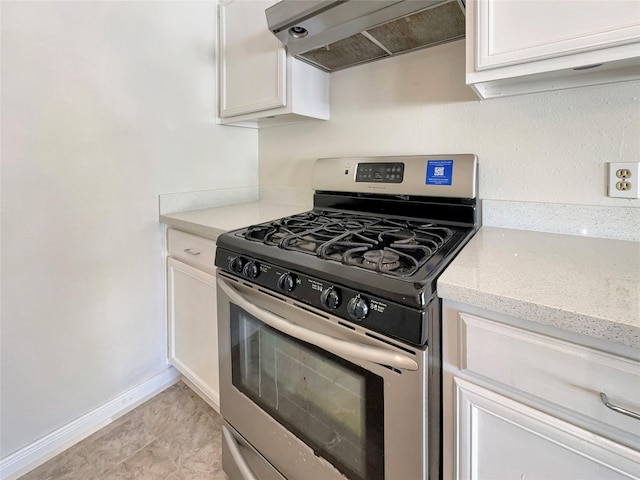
235, 265
251, 269
330, 298
358, 308
287, 282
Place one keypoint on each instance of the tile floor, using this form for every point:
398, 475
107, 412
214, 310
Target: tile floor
173, 436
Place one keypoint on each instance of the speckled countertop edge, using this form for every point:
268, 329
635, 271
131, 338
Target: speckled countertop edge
212, 222
584, 285
589, 286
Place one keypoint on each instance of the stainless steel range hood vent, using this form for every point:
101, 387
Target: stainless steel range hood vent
333, 35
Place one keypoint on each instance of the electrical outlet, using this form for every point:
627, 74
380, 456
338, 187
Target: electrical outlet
624, 179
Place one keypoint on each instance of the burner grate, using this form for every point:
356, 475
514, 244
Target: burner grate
393, 247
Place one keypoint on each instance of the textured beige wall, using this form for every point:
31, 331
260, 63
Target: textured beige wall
105, 105
546, 147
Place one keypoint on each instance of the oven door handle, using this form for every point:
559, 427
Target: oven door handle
234, 449
341, 347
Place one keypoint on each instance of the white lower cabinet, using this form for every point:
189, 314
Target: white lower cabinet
499, 438
524, 403
192, 312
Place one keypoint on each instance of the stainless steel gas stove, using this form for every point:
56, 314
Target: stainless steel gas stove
329, 323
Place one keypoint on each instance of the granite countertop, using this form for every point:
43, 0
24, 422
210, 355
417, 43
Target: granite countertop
580, 284
211, 222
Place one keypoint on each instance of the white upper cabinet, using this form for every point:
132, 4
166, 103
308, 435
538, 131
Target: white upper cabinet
250, 54
524, 46
259, 82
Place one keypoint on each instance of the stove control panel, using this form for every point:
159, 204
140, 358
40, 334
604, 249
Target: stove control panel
235, 264
380, 172
251, 269
287, 282
358, 307
330, 298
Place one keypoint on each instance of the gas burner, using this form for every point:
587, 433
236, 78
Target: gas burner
393, 247
382, 260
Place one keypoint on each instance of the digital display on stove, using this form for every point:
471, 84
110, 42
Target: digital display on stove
380, 172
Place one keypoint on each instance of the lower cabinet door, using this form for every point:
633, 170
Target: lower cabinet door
193, 330
498, 438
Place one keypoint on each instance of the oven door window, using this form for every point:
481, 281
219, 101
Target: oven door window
334, 406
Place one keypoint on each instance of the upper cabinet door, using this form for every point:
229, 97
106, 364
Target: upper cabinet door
510, 32
515, 47
252, 60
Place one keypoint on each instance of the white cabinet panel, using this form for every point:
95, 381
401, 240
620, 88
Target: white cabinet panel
520, 31
569, 375
522, 400
192, 249
193, 328
516, 47
260, 85
500, 439
253, 61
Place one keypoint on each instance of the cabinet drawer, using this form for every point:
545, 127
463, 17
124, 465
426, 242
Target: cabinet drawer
503, 439
191, 248
569, 376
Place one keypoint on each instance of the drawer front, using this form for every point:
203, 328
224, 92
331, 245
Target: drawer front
191, 248
504, 439
568, 375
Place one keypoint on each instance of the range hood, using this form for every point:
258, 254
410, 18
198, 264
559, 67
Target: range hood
333, 35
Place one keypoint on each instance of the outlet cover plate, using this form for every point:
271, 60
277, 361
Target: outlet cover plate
631, 178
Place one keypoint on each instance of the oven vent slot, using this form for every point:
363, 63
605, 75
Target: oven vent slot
346, 325
394, 370
271, 294
310, 311
228, 277
389, 342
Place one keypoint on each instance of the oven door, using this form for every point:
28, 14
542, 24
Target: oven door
316, 397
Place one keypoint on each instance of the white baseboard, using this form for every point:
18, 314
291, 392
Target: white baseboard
213, 400
47, 447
